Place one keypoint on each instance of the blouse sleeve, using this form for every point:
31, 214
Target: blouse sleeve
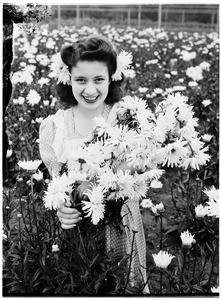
46, 138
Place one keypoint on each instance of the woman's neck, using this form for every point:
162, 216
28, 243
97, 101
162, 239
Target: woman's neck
89, 114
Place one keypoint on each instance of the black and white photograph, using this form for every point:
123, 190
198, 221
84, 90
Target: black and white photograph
110, 149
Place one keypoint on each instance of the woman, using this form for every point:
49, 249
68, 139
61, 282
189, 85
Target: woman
90, 86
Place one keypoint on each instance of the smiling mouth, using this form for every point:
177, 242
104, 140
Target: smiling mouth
90, 99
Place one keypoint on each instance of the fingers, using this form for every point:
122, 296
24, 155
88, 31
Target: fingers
66, 209
67, 226
69, 223
68, 216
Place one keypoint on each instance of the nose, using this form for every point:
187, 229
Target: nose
90, 88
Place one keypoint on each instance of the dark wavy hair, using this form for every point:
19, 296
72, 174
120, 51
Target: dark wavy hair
92, 48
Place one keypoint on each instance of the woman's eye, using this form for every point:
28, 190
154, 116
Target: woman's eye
98, 80
80, 80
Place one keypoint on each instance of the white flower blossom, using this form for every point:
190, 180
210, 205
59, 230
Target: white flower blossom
95, 206
43, 81
158, 91
156, 184
9, 153
21, 100
192, 84
38, 175
206, 137
124, 60
215, 289
206, 102
58, 191
160, 207
60, 70
55, 248
204, 65
187, 239
30, 165
33, 97
46, 102
143, 90
213, 203
187, 56
146, 203
200, 211
39, 120
162, 259
195, 73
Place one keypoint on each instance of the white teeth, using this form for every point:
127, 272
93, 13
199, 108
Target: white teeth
90, 98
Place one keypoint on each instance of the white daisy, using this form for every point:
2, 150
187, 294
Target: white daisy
30, 165
162, 259
213, 203
95, 206
59, 70
124, 60
58, 191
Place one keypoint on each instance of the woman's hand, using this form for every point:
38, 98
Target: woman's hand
68, 216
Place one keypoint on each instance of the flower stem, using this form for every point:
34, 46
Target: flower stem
183, 267
161, 231
213, 261
196, 247
148, 279
131, 257
161, 281
81, 240
173, 200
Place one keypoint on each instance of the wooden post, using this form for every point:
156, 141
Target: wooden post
77, 16
159, 15
128, 17
183, 17
59, 16
212, 21
139, 17
217, 22
166, 16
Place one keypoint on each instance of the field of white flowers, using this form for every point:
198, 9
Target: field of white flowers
180, 211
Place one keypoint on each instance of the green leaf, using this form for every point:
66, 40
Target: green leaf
35, 276
198, 288
173, 228
94, 260
210, 249
180, 260
204, 282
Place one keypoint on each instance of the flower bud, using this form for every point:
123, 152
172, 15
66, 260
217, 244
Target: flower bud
160, 208
55, 248
38, 175
206, 137
9, 153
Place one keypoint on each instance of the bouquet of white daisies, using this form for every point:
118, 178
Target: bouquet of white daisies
121, 161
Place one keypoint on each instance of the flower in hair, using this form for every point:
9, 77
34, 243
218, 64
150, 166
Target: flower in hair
124, 60
60, 70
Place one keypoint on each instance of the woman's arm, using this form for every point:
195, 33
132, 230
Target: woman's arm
46, 137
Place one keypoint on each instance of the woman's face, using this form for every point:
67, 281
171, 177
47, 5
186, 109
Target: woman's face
90, 83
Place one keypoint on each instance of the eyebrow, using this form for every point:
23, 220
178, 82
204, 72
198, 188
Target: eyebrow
80, 76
